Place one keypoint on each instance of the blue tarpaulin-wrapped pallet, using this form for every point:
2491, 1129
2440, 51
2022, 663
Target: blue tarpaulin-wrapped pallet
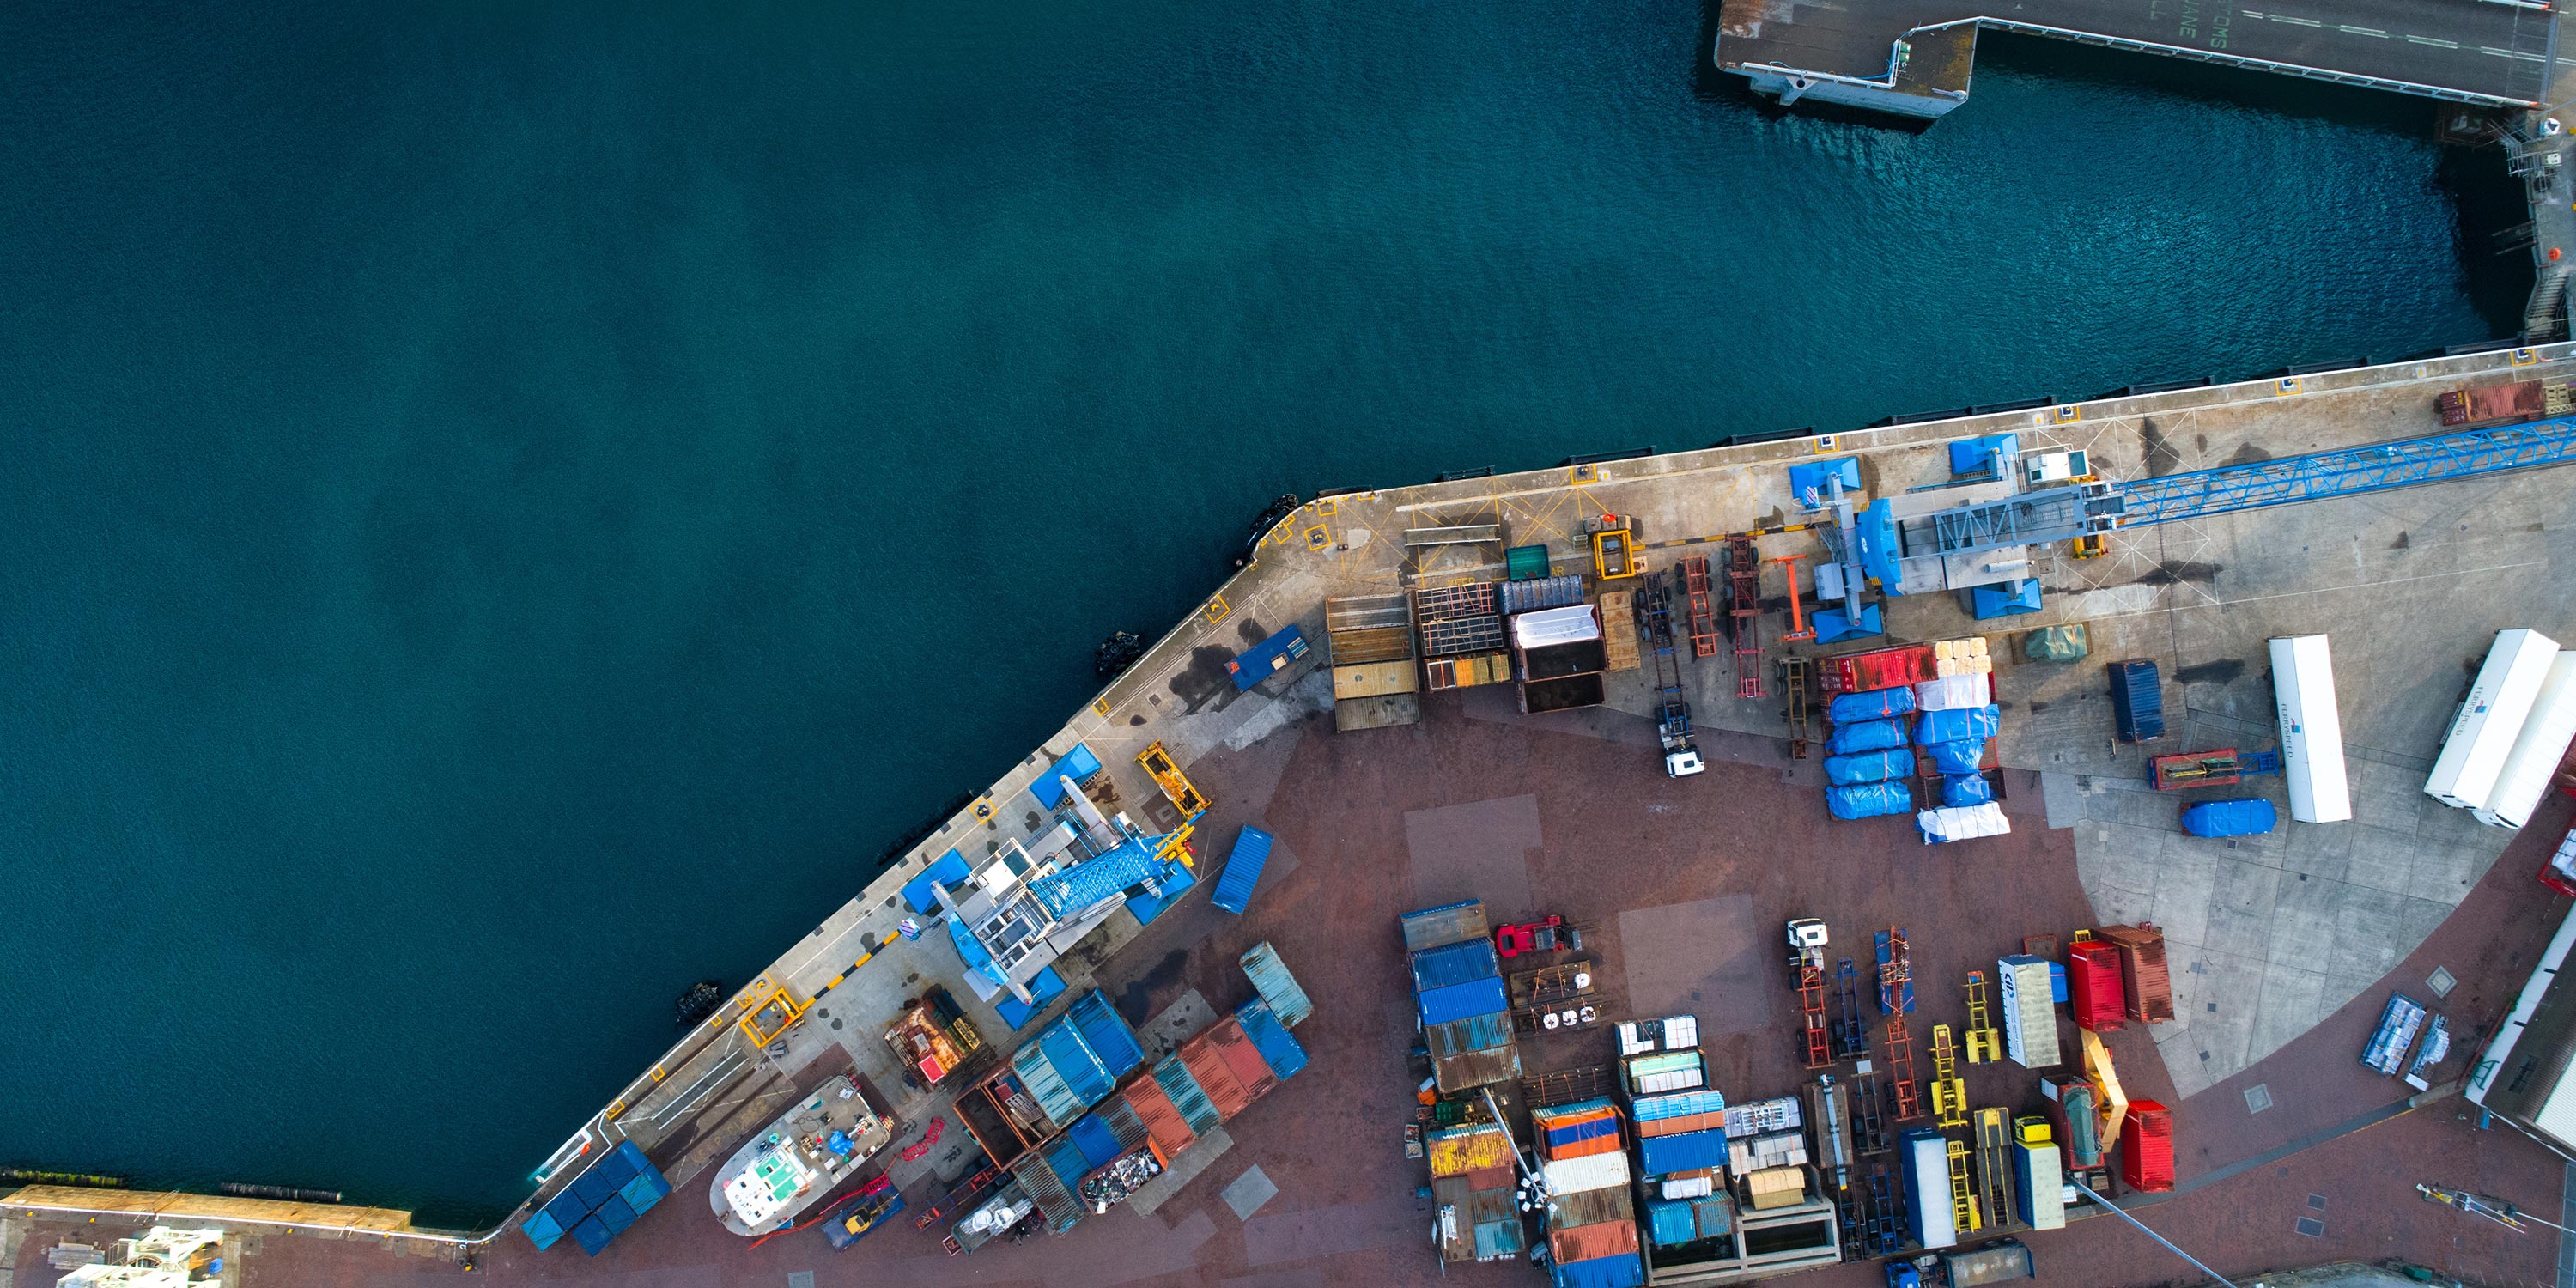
1870, 800
1866, 735
1868, 767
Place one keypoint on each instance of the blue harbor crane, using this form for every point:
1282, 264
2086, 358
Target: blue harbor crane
1907, 545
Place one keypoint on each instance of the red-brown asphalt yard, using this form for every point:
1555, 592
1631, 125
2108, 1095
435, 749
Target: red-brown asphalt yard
1682, 887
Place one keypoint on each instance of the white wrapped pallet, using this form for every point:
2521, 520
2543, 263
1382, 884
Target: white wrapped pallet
2538, 749
1953, 693
2311, 729
1961, 823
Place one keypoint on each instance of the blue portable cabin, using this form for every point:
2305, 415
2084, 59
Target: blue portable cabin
1267, 658
1242, 870
2137, 701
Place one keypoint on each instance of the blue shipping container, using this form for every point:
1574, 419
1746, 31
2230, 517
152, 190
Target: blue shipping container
1066, 1160
1076, 1063
1106, 1033
1186, 1095
2137, 701
1278, 1049
1267, 658
1242, 870
1097, 1143
541, 1230
1686, 1152
1270, 978
596, 1186
1461, 1001
615, 1215
1621, 1271
566, 1209
1455, 964
591, 1235
645, 1191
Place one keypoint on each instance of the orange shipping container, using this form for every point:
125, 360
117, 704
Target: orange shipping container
1584, 1242
2142, 971
1163, 1122
1687, 1122
1244, 1058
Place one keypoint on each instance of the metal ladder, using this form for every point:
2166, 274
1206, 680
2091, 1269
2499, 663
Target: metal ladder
1949, 1090
1900, 1066
1811, 1001
1985, 1045
1963, 1205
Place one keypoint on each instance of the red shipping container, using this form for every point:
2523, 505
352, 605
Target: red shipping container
2093, 985
2143, 977
2146, 1147
1163, 1122
1215, 1076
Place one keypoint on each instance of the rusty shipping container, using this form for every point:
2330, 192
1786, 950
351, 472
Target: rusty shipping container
2143, 977
1163, 1122
1215, 1076
1236, 1049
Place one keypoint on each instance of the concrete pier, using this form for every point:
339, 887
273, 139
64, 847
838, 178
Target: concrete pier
1913, 58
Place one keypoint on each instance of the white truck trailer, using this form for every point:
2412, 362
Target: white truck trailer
2311, 729
2538, 750
2490, 718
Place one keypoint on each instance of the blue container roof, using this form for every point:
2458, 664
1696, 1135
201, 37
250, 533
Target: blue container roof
949, 870
1106, 1032
1462, 1001
591, 1235
1279, 1049
1457, 963
615, 1214
541, 1230
1047, 987
567, 1209
1256, 663
1624, 1270
1078, 764
1093, 1137
593, 1187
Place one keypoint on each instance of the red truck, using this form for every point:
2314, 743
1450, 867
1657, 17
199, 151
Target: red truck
2504, 404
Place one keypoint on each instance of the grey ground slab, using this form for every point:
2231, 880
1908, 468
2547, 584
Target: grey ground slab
1246, 1193
2318, 849
1193, 1159
1704, 958
2370, 932
1475, 851
2305, 916
2059, 796
2381, 859
2287, 1007
1325, 1232
2240, 909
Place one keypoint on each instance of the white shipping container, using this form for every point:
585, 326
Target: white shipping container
2311, 729
2538, 749
1927, 1192
2490, 718
2030, 1012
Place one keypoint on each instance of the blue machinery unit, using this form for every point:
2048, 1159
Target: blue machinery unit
1908, 546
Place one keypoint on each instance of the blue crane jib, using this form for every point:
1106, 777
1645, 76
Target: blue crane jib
1883, 541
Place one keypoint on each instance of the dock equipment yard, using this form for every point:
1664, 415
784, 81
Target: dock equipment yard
1042, 1000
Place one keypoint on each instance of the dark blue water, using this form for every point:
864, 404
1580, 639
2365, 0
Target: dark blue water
511, 513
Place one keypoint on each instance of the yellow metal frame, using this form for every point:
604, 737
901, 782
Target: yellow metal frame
765, 1020
1625, 538
2106, 1080
1177, 788
1949, 1090
1984, 1044
1176, 846
2091, 546
1963, 1205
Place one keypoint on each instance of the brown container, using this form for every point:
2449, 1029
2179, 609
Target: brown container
1163, 1122
2142, 969
1215, 1076
1687, 1122
1244, 1058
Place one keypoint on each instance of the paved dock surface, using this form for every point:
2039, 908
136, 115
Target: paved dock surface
2478, 47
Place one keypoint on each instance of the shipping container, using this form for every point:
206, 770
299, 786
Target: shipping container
1242, 870
1187, 1096
1563, 694
1268, 658
1375, 679
1215, 1076
2144, 982
2312, 766
1460, 1001
1458, 1151
2146, 1147
1164, 1125
2137, 701
2039, 1185
1525, 563
1923, 1165
1453, 964
1270, 979
1106, 1033
2027, 996
1450, 923
2093, 979
1243, 1059
2490, 719
1570, 1209
1685, 1152
2538, 750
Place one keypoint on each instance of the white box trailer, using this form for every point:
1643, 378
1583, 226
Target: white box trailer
2538, 750
2311, 729
2490, 718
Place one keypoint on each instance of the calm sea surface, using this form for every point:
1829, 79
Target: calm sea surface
511, 511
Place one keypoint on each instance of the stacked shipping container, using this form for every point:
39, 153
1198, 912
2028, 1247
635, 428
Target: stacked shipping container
2093, 980
1479, 1216
1591, 1221
601, 1202
2030, 1011
1458, 996
2144, 981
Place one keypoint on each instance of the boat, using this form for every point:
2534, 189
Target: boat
784, 1168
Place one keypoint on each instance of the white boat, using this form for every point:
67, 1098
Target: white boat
820, 1141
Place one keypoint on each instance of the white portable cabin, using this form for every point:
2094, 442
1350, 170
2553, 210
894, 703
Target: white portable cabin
2311, 729
2490, 719
2538, 750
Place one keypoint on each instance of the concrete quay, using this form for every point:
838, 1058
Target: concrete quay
2282, 952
